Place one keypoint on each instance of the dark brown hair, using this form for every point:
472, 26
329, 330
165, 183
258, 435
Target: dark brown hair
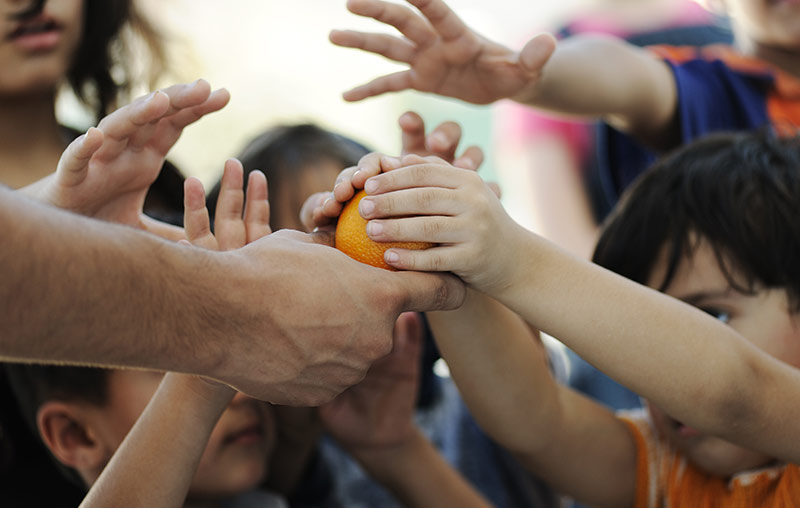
739, 192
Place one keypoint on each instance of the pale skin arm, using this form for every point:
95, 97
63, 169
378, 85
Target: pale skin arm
164, 447
373, 421
607, 316
588, 76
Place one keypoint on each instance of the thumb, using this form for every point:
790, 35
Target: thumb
424, 292
537, 52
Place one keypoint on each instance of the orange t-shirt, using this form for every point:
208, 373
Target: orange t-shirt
665, 479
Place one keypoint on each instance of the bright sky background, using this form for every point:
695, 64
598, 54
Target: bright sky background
275, 58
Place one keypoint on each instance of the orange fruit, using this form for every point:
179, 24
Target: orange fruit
352, 239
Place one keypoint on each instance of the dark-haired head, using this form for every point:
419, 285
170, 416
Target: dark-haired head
739, 192
298, 161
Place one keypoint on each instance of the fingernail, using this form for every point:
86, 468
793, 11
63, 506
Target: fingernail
371, 186
391, 256
374, 229
366, 207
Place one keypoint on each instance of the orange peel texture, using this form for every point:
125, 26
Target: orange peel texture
352, 239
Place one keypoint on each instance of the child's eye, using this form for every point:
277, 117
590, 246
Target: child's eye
718, 314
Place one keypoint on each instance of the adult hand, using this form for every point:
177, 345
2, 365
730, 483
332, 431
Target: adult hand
444, 56
325, 317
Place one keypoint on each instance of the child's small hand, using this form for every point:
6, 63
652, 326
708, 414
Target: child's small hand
444, 55
428, 200
238, 221
107, 172
378, 412
323, 208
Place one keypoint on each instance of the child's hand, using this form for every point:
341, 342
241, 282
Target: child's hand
107, 172
323, 208
378, 412
444, 55
428, 200
238, 221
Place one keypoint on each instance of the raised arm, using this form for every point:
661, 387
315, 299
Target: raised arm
589, 76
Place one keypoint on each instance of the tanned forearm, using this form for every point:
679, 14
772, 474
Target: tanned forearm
77, 290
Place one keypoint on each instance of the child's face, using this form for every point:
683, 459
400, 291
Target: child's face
774, 23
36, 54
763, 318
236, 457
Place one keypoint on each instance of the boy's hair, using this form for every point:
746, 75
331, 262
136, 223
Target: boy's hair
32, 385
102, 70
738, 191
283, 150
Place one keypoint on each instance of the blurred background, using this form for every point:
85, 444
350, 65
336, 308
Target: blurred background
275, 58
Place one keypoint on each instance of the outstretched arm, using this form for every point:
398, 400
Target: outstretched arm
584, 76
601, 315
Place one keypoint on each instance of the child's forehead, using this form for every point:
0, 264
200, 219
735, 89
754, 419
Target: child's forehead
696, 267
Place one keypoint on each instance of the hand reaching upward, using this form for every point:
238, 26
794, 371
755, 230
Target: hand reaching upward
444, 56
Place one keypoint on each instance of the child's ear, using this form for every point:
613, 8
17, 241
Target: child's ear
68, 433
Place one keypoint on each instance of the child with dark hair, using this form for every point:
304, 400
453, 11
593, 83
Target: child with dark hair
712, 225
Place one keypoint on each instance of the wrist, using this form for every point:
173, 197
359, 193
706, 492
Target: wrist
386, 461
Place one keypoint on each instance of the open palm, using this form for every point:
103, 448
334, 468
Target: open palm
444, 55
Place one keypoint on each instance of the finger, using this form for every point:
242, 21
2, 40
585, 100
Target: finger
256, 208
343, 188
537, 52
228, 222
443, 140
187, 95
446, 23
73, 166
424, 292
162, 229
428, 260
170, 130
495, 189
418, 175
138, 118
412, 129
196, 223
472, 158
431, 229
394, 82
312, 205
387, 46
405, 20
411, 203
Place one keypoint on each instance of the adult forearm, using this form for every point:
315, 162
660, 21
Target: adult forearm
78, 290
